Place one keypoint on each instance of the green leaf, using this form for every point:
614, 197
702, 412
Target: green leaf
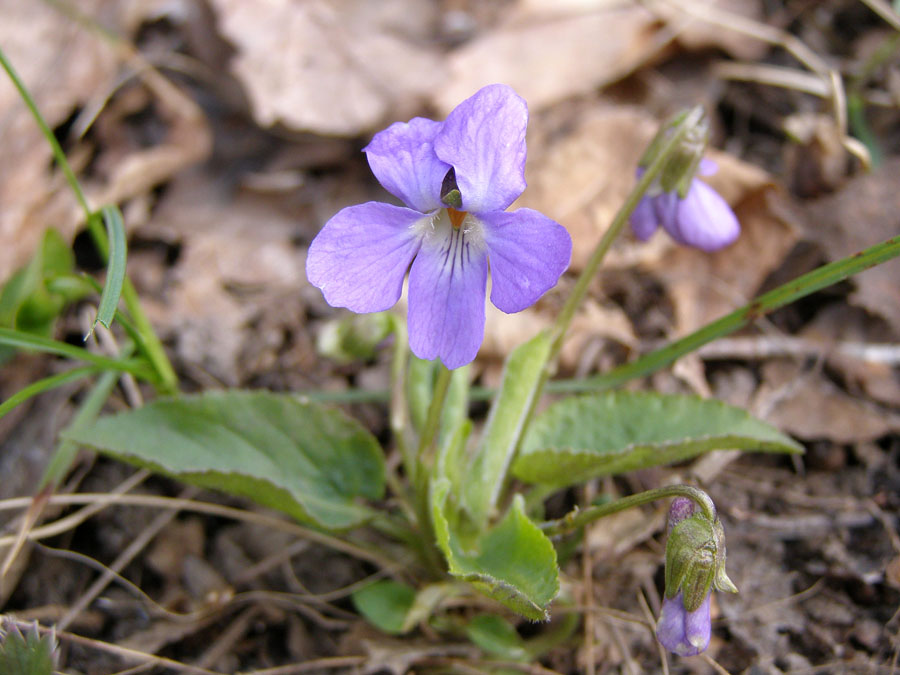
28, 654
496, 636
490, 462
513, 562
385, 604
115, 268
604, 434
298, 457
25, 301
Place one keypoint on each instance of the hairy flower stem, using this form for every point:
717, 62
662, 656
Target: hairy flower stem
424, 461
154, 349
564, 319
399, 418
579, 518
567, 313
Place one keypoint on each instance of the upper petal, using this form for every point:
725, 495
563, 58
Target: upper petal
528, 253
483, 139
360, 257
446, 297
704, 219
403, 160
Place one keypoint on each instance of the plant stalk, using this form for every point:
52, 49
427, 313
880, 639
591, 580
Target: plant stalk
579, 518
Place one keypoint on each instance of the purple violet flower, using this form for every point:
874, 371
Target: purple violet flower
702, 219
680, 631
456, 179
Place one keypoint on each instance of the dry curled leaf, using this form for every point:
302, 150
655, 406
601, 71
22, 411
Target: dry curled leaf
61, 64
547, 55
863, 214
335, 67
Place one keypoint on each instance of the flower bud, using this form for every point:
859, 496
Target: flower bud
688, 209
695, 564
682, 163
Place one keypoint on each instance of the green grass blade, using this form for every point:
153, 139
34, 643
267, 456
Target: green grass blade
785, 294
58, 467
45, 384
19, 340
115, 268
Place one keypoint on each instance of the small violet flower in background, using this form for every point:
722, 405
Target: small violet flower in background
456, 178
695, 564
701, 219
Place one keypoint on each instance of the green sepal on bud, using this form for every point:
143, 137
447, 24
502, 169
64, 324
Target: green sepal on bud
681, 166
695, 560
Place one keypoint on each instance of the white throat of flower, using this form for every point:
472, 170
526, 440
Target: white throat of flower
458, 245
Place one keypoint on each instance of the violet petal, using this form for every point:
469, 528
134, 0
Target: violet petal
403, 160
528, 253
361, 255
707, 167
446, 297
682, 632
704, 220
483, 139
643, 219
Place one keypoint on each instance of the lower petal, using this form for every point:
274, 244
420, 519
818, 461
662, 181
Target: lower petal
643, 219
446, 297
682, 632
361, 255
704, 219
528, 253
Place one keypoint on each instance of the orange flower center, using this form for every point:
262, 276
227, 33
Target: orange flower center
456, 217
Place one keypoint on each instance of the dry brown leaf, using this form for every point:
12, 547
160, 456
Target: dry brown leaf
62, 65
808, 405
334, 67
621, 532
695, 34
863, 214
550, 56
581, 178
504, 332
236, 255
705, 286
838, 323
67, 66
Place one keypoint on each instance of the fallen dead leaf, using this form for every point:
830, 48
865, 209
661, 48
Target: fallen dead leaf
335, 67
61, 64
808, 405
549, 53
504, 332
580, 178
863, 214
236, 255
695, 34
842, 324
705, 286
68, 66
